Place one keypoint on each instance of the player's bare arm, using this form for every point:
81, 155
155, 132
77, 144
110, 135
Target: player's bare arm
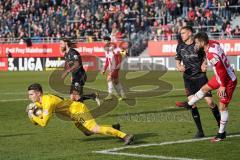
179, 66
204, 65
71, 69
41, 121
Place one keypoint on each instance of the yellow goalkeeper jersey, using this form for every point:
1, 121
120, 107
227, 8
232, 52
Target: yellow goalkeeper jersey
52, 103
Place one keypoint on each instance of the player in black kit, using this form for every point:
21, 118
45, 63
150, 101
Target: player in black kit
194, 67
73, 64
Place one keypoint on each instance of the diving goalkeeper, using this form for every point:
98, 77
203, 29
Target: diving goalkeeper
76, 111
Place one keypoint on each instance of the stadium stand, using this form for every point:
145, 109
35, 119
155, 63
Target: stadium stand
134, 20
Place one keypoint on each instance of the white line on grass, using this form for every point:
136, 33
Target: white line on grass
114, 151
21, 93
145, 156
12, 100
12, 93
17, 93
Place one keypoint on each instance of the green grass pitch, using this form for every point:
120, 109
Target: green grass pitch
152, 120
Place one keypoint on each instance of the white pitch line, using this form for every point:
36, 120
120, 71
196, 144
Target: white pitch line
16, 93
23, 93
157, 144
114, 151
145, 156
12, 100
12, 93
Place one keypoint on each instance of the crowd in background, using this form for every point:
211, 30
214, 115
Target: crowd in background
91, 20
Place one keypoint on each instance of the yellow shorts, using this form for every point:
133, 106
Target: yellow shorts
81, 115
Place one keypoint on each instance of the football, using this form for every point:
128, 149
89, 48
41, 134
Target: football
30, 106
37, 111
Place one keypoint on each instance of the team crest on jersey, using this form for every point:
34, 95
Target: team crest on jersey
76, 84
75, 57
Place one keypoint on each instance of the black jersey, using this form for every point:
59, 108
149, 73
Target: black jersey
71, 57
191, 59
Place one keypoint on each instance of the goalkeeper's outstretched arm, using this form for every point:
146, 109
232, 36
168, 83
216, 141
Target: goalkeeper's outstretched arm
42, 121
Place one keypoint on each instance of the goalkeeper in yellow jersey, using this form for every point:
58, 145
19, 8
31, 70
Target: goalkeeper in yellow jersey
76, 111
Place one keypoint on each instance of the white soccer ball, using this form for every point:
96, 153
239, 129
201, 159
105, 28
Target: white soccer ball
34, 109
31, 106
37, 112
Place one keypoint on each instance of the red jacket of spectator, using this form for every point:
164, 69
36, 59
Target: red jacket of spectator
150, 2
208, 13
191, 15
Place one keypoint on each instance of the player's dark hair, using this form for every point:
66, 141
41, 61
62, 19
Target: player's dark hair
35, 87
202, 36
69, 42
189, 28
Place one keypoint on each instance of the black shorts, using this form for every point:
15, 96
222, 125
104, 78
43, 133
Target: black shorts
192, 86
78, 82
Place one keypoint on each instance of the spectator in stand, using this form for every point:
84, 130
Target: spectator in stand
198, 12
210, 21
119, 35
167, 32
207, 4
191, 14
185, 8
227, 11
214, 30
228, 31
236, 32
80, 19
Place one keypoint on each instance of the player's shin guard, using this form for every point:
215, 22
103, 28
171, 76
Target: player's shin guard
224, 120
216, 114
111, 131
197, 120
196, 97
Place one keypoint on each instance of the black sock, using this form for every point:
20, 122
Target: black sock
80, 100
88, 96
216, 114
197, 120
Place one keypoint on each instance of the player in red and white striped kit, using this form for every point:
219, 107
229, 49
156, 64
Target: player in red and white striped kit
225, 80
113, 64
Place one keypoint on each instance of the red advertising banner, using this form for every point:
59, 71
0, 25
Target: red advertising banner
155, 49
90, 63
94, 49
168, 48
36, 50
49, 50
3, 64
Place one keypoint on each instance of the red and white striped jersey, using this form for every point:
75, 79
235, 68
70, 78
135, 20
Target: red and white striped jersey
221, 66
113, 59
